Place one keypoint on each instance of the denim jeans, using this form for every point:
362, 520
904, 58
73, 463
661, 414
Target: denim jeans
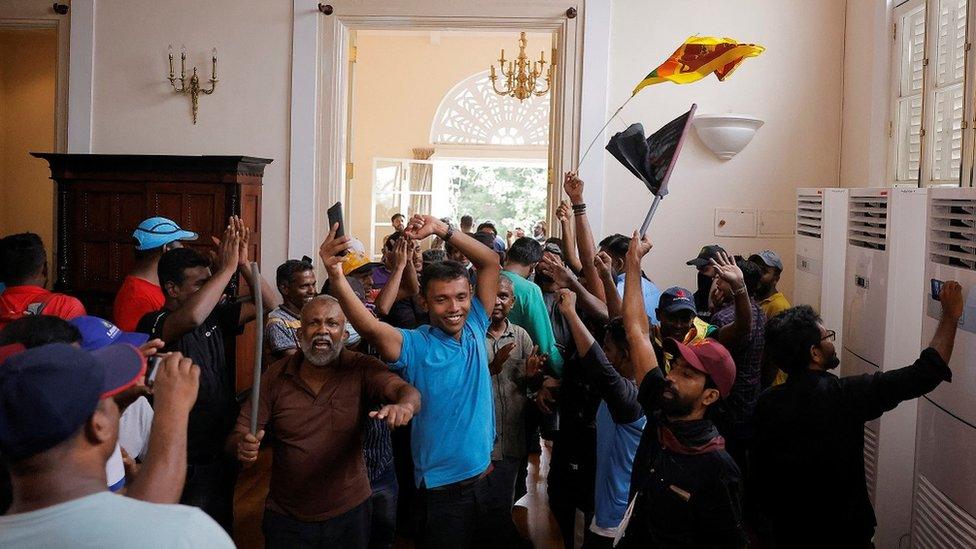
382, 528
349, 530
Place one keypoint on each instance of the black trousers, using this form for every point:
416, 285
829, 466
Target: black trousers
383, 516
463, 514
349, 530
211, 488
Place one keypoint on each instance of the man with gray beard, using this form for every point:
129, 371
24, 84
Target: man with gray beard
314, 405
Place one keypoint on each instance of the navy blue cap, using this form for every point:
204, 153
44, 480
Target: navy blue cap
47, 393
676, 299
97, 333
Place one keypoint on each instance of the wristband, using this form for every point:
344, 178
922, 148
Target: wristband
578, 207
450, 232
740, 290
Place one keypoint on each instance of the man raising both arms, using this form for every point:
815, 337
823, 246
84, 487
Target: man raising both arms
447, 362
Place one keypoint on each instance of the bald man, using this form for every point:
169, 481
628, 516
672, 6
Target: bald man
315, 404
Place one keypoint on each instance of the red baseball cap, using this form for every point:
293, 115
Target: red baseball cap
708, 357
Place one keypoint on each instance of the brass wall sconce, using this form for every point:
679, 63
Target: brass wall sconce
193, 86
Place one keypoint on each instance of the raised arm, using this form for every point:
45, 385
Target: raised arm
603, 264
198, 306
269, 296
573, 186
561, 274
569, 237
635, 315
391, 292
731, 335
482, 257
581, 336
386, 338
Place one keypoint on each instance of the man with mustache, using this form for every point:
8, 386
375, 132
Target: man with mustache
809, 455
684, 490
296, 283
314, 403
452, 437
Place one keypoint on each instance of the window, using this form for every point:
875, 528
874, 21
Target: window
399, 186
929, 91
473, 114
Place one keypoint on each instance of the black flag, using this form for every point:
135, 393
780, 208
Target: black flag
651, 159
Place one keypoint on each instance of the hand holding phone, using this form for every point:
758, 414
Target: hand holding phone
335, 216
936, 288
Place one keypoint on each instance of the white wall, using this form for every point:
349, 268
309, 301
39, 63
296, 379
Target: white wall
136, 111
867, 67
794, 86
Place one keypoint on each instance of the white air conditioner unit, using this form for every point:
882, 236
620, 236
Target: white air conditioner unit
885, 266
944, 507
821, 248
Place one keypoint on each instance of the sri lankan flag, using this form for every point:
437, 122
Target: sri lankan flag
698, 57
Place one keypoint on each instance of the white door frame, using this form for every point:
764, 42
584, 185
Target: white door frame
320, 84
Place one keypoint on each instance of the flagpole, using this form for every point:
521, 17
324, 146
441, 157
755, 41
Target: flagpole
650, 214
599, 133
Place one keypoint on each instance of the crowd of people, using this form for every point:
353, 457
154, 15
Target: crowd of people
404, 397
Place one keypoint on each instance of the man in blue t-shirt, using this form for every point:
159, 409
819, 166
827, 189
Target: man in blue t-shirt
447, 361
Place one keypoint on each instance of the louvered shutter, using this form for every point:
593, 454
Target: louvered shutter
909, 56
946, 93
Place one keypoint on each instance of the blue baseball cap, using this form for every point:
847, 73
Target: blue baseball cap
98, 332
47, 393
159, 231
676, 299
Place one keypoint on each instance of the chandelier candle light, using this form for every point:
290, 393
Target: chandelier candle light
522, 77
193, 87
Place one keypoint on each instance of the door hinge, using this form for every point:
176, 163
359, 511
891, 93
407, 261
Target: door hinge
349, 170
921, 132
969, 46
353, 54
894, 31
964, 124
925, 62
891, 128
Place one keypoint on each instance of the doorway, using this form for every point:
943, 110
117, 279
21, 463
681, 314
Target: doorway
28, 75
33, 114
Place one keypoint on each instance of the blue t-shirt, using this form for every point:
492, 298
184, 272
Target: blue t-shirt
616, 445
454, 432
651, 295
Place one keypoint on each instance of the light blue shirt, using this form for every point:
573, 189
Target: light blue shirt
106, 520
452, 436
616, 444
652, 296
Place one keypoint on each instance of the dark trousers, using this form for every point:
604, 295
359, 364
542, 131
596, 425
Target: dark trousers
592, 540
462, 514
501, 495
383, 521
211, 488
349, 530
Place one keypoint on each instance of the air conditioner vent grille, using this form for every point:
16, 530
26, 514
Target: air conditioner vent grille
809, 215
870, 459
868, 222
952, 232
937, 522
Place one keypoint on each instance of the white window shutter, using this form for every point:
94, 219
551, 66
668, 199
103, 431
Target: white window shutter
908, 70
945, 94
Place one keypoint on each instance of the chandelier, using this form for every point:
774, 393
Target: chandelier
522, 78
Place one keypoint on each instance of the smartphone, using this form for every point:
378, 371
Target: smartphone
152, 367
335, 216
936, 288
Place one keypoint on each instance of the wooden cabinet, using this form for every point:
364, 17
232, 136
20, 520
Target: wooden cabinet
101, 198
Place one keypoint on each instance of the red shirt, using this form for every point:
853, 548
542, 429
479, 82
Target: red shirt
136, 298
15, 300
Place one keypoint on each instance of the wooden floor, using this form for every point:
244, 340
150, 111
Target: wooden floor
531, 513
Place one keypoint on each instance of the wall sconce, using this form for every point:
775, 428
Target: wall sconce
193, 87
726, 134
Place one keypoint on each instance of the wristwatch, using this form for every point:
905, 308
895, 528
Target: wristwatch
450, 232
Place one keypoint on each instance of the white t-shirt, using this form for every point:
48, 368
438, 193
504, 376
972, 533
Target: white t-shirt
115, 470
106, 520
134, 427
